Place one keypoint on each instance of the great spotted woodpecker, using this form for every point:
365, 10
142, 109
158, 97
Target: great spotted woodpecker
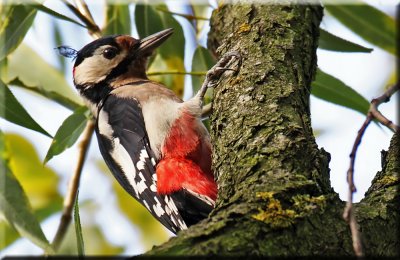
154, 143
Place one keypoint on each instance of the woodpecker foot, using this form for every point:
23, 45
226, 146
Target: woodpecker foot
230, 61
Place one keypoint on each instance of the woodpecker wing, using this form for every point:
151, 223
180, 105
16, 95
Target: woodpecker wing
123, 142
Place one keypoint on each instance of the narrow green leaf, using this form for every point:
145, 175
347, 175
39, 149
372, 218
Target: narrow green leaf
13, 111
335, 91
56, 14
55, 96
368, 22
332, 42
41, 187
78, 228
118, 19
202, 61
68, 133
14, 27
20, 65
14, 205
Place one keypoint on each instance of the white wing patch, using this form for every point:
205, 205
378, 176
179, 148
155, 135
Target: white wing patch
134, 172
142, 184
142, 159
121, 156
153, 161
157, 208
104, 127
153, 187
171, 204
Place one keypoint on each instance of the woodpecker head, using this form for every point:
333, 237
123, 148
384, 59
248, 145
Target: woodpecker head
112, 58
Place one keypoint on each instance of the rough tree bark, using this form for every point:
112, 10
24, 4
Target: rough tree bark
275, 196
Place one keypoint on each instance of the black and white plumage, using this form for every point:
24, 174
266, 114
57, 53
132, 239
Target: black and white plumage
123, 142
154, 143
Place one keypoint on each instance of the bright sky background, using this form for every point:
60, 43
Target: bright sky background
366, 73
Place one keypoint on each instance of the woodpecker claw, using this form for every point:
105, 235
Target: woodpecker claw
224, 64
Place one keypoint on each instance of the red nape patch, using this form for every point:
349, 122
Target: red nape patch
173, 174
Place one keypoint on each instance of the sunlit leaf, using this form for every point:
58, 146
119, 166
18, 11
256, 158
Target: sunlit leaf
368, 22
118, 19
78, 228
149, 21
68, 133
39, 182
54, 96
15, 207
14, 27
21, 64
332, 42
8, 233
56, 14
13, 111
153, 232
335, 91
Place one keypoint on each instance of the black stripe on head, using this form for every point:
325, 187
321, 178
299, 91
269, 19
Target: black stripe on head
88, 50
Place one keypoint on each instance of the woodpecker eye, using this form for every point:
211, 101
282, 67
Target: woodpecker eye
110, 53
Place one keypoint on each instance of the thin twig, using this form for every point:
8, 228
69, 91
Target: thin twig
373, 113
383, 99
73, 186
84, 9
93, 29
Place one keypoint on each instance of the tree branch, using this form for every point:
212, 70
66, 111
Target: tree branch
373, 113
73, 186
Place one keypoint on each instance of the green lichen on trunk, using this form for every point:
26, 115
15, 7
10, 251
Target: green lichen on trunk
275, 196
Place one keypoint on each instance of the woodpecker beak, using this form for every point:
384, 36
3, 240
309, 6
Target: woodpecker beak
150, 43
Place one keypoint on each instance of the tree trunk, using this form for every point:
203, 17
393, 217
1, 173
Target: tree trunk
275, 196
